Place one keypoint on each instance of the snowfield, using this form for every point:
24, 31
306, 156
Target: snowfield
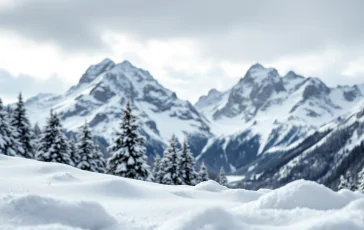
38, 195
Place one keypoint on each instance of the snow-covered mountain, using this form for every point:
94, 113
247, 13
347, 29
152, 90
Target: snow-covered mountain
100, 95
259, 123
265, 113
333, 150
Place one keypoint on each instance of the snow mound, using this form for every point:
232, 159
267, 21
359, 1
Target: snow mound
63, 177
241, 195
302, 194
211, 186
115, 203
356, 205
214, 218
33, 210
52, 167
118, 187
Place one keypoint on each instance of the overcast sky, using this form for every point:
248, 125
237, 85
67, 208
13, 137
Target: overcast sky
189, 46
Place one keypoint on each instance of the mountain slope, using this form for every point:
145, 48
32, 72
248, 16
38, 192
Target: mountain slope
265, 113
100, 95
334, 150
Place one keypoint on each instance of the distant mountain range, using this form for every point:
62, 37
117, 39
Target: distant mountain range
268, 127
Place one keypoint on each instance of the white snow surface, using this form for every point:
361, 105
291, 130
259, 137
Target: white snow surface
38, 195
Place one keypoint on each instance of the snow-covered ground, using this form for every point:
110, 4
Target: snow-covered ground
37, 195
232, 179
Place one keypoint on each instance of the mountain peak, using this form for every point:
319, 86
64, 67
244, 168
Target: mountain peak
106, 61
213, 92
212, 96
94, 70
258, 73
292, 75
256, 66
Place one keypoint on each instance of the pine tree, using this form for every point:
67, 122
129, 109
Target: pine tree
222, 178
157, 169
344, 183
187, 165
9, 112
361, 181
128, 151
170, 164
37, 131
86, 150
75, 158
203, 174
8, 143
99, 159
36, 135
53, 144
24, 132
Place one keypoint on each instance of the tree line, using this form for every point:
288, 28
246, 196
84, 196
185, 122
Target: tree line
127, 158
347, 181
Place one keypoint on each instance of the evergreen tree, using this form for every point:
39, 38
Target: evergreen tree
24, 132
128, 151
203, 174
53, 144
37, 130
187, 165
222, 178
75, 158
86, 150
170, 164
8, 143
157, 169
344, 183
361, 181
99, 159
9, 112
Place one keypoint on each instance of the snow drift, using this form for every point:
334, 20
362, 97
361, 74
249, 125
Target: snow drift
37, 195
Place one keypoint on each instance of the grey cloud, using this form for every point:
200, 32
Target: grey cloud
193, 86
235, 29
28, 86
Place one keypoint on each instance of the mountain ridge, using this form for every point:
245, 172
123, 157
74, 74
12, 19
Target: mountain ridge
262, 115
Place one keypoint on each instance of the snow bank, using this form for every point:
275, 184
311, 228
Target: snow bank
303, 194
211, 186
63, 177
48, 196
210, 219
29, 210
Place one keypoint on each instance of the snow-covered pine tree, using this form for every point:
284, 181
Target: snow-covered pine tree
8, 143
156, 172
187, 165
128, 150
222, 178
86, 150
353, 183
75, 158
99, 159
37, 131
361, 180
170, 164
344, 183
9, 112
24, 133
203, 174
53, 144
